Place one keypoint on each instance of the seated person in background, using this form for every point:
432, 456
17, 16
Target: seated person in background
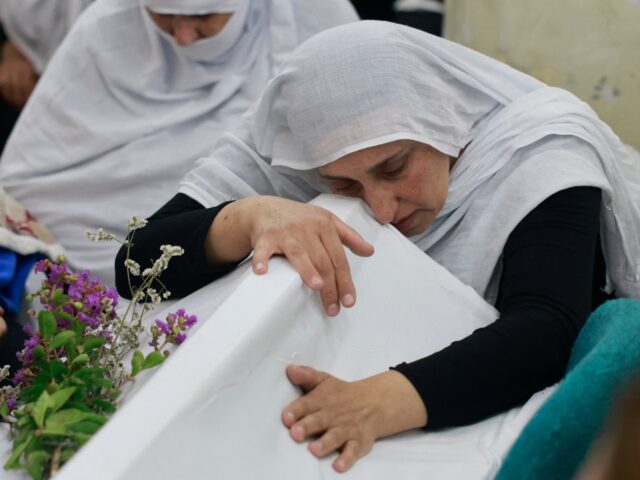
138, 91
33, 29
506, 182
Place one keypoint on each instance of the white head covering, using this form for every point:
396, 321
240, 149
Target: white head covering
193, 7
37, 27
123, 111
371, 83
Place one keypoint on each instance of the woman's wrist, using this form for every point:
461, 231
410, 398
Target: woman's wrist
229, 236
401, 406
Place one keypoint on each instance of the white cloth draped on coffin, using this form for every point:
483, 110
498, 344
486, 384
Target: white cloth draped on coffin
123, 112
518, 141
213, 410
37, 27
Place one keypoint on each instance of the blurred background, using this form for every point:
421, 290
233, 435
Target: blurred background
589, 47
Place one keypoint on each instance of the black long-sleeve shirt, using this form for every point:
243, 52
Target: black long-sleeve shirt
551, 279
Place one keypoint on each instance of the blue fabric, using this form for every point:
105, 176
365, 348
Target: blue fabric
14, 269
607, 352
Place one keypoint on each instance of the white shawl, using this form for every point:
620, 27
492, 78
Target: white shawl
37, 27
370, 83
123, 111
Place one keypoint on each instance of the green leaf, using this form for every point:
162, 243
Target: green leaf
136, 362
104, 405
80, 360
46, 324
60, 339
38, 353
36, 462
40, 408
58, 370
87, 427
102, 382
70, 416
59, 297
82, 438
14, 460
91, 342
60, 398
67, 453
153, 359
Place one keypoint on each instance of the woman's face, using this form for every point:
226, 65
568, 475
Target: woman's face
405, 182
187, 29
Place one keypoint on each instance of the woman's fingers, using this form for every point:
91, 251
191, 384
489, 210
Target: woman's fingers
352, 239
350, 453
345, 290
306, 378
313, 241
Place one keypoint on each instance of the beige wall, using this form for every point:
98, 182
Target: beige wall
590, 47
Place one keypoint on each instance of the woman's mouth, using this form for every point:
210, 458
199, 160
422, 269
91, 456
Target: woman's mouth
405, 223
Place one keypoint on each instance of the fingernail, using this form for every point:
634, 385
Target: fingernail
315, 447
259, 267
348, 300
297, 432
289, 417
340, 465
316, 281
332, 310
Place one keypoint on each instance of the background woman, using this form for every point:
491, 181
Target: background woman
515, 187
137, 92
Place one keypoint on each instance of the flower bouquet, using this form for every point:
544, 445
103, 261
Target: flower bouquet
73, 366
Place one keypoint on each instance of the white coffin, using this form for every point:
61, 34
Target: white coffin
213, 409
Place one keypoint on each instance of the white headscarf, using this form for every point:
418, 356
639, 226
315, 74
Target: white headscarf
371, 83
123, 111
37, 27
193, 7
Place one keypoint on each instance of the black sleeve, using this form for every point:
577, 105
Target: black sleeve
544, 300
181, 222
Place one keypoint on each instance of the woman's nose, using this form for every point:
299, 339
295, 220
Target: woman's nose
185, 31
383, 204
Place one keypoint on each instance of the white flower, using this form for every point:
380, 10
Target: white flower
100, 235
133, 267
136, 223
4, 373
153, 295
172, 251
166, 294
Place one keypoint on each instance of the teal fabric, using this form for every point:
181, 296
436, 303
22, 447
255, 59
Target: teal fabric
556, 440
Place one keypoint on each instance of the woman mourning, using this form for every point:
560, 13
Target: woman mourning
136, 93
515, 187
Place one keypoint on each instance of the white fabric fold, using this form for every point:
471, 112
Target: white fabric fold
370, 83
122, 113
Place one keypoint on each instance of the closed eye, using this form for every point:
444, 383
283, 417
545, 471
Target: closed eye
345, 188
394, 170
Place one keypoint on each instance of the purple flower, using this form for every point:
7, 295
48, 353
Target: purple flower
32, 342
41, 266
190, 320
181, 337
164, 327
12, 403
20, 377
28, 329
87, 320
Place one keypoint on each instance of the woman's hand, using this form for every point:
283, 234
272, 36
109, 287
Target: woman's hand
17, 76
311, 238
350, 416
